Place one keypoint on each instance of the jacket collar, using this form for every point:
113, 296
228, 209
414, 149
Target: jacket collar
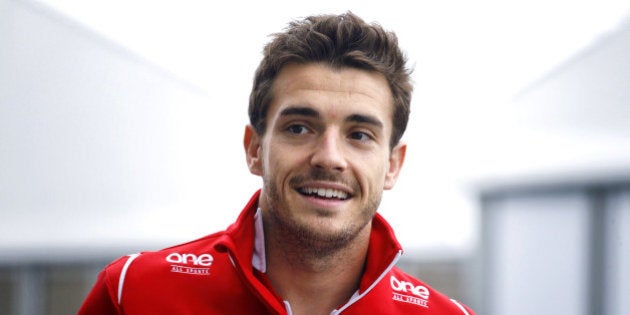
247, 232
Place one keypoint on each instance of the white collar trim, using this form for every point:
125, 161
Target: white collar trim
259, 260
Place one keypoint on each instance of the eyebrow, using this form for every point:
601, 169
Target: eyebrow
309, 112
299, 111
365, 119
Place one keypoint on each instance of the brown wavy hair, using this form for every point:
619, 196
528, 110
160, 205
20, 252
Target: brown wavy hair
339, 41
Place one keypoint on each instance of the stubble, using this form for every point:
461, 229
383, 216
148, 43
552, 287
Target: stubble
304, 239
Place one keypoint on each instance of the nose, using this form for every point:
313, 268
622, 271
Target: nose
328, 153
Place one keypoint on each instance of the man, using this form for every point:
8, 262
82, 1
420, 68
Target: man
329, 105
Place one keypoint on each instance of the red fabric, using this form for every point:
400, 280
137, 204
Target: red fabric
214, 275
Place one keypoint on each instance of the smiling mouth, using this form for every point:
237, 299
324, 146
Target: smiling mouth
324, 193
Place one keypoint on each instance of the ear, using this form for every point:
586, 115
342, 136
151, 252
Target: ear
251, 142
396, 160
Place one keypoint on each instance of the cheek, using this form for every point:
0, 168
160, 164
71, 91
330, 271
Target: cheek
269, 162
274, 167
372, 173
380, 172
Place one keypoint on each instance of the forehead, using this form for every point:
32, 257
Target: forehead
319, 84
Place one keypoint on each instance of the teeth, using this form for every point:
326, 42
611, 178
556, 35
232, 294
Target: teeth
325, 193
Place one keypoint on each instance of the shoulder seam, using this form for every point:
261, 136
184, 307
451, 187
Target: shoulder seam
123, 273
357, 296
460, 307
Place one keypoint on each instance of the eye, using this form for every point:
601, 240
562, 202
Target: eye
360, 136
297, 129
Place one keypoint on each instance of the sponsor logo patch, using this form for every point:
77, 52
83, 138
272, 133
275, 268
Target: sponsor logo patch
190, 263
407, 292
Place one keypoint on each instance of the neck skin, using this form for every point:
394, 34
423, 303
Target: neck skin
313, 283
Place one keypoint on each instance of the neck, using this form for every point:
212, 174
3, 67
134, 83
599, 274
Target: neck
313, 278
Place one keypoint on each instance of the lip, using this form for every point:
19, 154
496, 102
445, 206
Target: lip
324, 202
326, 185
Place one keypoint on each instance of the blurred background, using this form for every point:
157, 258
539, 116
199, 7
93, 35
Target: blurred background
121, 125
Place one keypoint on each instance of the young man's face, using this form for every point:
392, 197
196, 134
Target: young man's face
325, 157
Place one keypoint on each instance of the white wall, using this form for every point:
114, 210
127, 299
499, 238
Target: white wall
556, 237
538, 258
575, 119
100, 149
618, 270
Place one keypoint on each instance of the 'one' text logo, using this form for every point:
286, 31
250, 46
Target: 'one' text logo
407, 292
177, 260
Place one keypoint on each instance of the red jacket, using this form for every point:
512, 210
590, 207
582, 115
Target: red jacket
223, 273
